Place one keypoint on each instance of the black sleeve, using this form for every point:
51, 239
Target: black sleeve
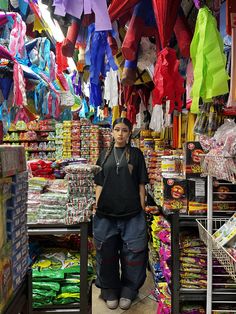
142, 169
99, 177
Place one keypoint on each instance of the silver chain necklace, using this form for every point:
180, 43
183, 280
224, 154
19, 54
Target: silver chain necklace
118, 160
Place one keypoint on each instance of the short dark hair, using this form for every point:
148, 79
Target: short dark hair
123, 120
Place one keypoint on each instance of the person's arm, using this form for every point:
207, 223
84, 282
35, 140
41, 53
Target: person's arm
98, 191
142, 193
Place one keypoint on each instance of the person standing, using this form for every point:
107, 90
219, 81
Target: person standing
119, 225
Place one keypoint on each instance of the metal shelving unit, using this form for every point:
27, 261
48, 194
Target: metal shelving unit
83, 306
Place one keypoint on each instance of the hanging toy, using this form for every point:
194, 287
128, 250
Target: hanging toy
210, 76
76, 9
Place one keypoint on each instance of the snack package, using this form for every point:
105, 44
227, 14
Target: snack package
197, 198
193, 155
227, 232
175, 195
224, 196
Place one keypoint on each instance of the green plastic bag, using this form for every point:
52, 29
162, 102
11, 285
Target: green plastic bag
209, 61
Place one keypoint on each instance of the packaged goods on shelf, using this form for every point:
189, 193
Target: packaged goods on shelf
66, 139
193, 262
227, 232
53, 204
224, 195
36, 187
41, 168
164, 299
193, 156
175, 195
193, 309
80, 192
58, 140
197, 198
59, 282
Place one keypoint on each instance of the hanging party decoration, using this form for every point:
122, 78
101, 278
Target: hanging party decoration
210, 76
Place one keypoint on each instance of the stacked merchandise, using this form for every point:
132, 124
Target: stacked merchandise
193, 258
80, 192
13, 240
153, 256
197, 198
105, 136
193, 309
56, 274
94, 142
85, 137
58, 140
59, 166
161, 243
36, 137
52, 208
36, 186
66, 139
75, 139
41, 168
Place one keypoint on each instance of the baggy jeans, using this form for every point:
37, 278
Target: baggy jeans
120, 242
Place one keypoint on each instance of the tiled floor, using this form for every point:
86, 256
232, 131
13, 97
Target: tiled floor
144, 304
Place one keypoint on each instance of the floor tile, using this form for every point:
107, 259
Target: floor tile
145, 290
145, 306
99, 306
140, 304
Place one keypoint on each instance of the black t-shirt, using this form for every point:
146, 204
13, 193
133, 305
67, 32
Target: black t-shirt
120, 191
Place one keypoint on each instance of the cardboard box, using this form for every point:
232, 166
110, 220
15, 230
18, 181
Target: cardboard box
193, 156
12, 160
175, 195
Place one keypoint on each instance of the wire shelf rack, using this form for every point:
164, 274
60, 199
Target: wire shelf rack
219, 252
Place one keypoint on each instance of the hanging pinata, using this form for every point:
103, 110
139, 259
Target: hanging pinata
169, 85
209, 61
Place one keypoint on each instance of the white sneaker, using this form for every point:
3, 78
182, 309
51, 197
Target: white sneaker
112, 305
124, 303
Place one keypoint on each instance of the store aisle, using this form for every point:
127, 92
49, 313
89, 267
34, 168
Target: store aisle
145, 303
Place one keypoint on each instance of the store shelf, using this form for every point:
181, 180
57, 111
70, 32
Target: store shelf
22, 141
82, 228
40, 150
220, 253
43, 229
192, 294
17, 131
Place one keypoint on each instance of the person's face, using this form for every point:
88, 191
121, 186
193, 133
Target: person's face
121, 134
177, 191
223, 189
196, 155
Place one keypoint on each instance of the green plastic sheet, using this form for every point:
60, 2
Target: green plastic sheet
209, 61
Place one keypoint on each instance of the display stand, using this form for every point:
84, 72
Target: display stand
83, 306
209, 246
206, 228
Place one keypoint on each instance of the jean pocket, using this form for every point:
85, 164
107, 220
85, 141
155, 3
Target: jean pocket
98, 244
137, 245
